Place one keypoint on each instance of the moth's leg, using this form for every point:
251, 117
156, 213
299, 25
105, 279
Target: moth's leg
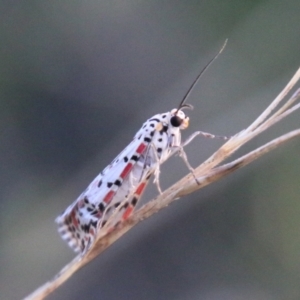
144, 159
131, 178
87, 247
157, 168
204, 134
182, 153
102, 222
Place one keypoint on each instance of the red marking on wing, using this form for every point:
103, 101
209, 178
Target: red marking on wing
127, 212
140, 188
141, 148
74, 220
126, 170
109, 197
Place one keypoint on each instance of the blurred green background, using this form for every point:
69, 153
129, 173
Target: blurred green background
78, 79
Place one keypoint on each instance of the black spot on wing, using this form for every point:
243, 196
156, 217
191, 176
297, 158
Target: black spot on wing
100, 183
109, 184
125, 159
101, 207
134, 201
85, 227
118, 182
147, 139
154, 119
134, 158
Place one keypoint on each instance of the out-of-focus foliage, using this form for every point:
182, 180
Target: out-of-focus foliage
77, 80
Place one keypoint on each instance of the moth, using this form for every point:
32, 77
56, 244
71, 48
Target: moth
112, 196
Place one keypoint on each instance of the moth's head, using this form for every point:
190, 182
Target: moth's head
179, 119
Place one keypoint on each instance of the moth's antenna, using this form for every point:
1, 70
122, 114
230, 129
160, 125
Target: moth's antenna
181, 105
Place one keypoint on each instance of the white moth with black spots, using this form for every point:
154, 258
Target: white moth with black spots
113, 194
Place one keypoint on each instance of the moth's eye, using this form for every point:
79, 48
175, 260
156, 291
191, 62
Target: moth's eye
176, 121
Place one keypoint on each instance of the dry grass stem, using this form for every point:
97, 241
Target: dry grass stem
206, 173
